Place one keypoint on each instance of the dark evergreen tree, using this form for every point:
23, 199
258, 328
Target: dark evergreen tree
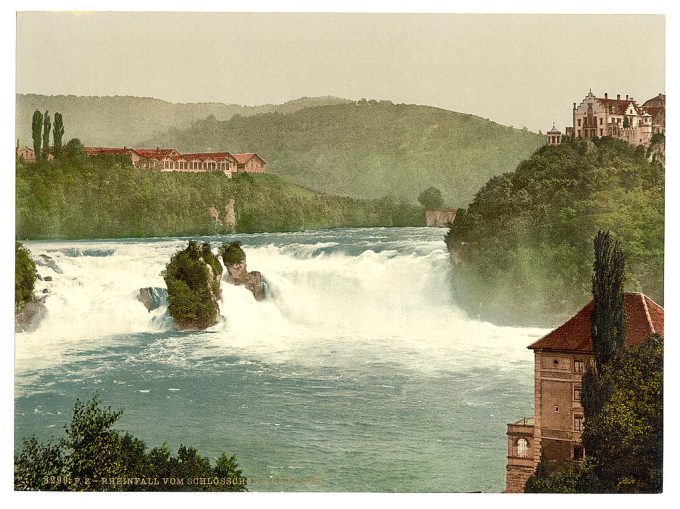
37, 133
608, 327
58, 134
47, 127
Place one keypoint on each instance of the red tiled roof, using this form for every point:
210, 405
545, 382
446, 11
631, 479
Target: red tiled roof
618, 106
655, 102
243, 158
215, 156
152, 153
643, 317
95, 151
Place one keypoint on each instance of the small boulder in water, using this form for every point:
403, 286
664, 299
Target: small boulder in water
152, 298
30, 316
237, 271
46, 261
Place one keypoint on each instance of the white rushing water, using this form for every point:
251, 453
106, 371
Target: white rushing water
397, 297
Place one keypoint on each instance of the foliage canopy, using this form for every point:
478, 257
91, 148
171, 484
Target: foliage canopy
527, 232
93, 456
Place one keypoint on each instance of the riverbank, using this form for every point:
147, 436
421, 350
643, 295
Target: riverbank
105, 197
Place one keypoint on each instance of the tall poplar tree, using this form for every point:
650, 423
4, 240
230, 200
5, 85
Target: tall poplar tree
47, 127
608, 326
37, 133
58, 134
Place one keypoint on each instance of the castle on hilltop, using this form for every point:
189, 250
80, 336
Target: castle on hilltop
597, 117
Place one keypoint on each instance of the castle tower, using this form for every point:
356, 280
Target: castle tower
554, 136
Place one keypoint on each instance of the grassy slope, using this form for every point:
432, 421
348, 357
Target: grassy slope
125, 120
105, 197
369, 149
525, 243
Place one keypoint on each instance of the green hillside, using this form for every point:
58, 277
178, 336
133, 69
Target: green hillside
105, 197
369, 148
126, 121
523, 248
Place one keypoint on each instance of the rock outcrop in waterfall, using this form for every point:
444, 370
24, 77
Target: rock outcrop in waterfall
237, 271
193, 280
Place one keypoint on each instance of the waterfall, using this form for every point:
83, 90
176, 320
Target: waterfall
376, 286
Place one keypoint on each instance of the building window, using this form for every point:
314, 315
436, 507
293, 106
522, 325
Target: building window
522, 447
578, 453
577, 393
601, 132
578, 366
600, 120
557, 409
578, 423
579, 122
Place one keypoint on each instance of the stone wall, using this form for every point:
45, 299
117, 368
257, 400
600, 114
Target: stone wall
516, 478
440, 218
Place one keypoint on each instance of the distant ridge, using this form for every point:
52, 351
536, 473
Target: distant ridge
369, 149
127, 120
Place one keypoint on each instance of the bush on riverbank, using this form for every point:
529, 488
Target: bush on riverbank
106, 197
522, 248
93, 456
193, 281
24, 277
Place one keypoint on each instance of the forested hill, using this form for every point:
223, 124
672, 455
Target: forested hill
369, 149
126, 121
523, 248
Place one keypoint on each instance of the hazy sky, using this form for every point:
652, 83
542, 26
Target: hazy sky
521, 70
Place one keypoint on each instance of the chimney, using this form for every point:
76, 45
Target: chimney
626, 97
574, 105
618, 97
158, 149
605, 95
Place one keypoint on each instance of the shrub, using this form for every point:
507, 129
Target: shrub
232, 253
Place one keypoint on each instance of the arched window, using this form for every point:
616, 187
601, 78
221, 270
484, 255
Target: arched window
522, 447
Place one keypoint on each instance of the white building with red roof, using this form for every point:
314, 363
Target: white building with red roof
622, 118
170, 160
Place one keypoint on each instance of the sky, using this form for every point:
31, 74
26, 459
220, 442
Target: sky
519, 70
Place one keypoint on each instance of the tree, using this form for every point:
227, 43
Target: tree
58, 134
47, 127
608, 327
74, 149
37, 126
431, 198
93, 456
24, 277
